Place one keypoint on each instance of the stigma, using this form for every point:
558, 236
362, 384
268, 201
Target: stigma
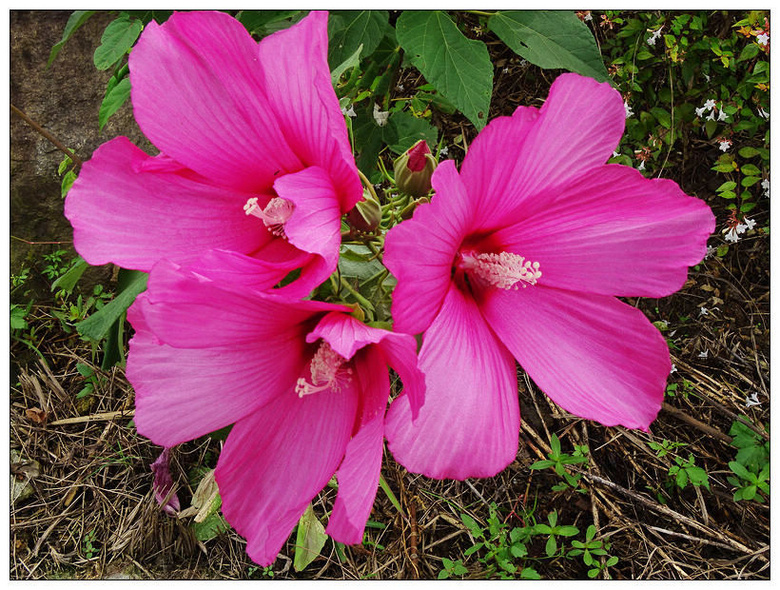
276, 213
504, 270
327, 372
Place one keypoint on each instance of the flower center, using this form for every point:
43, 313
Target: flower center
327, 372
503, 270
275, 214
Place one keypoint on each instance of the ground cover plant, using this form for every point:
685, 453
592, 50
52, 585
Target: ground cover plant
686, 499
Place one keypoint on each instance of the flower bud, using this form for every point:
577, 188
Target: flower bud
366, 214
414, 168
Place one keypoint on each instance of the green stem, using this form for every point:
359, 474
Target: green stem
481, 12
361, 300
368, 185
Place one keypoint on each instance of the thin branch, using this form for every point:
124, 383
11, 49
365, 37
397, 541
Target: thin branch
74, 158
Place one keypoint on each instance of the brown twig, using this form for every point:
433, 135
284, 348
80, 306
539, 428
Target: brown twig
94, 417
677, 413
57, 143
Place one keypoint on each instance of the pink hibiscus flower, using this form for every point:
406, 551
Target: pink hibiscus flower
254, 157
305, 384
520, 256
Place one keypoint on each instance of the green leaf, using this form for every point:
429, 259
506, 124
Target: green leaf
472, 526
750, 180
551, 546
349, 63
78, 18
118, 37
459, 68
17, 317
96, 326
67, 182
409, 130
568, 531
741, 471
309, 541
550, 39
748, 152
726, 186
349, 29
662, 116
113, 100
529, 573
210, 527
543, 464
750, 170
265, 22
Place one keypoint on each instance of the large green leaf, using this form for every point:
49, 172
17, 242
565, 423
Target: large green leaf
550, 39
458, 67
349, 29
404, 130
118, 37
78, 18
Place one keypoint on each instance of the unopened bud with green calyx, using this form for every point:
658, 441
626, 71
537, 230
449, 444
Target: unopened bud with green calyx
414, 168
366, 214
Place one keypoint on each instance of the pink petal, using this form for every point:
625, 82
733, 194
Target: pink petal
577, 128
420, 251
469, 424
253, 273
595, 356
315, 224
132, 209
358, 475
296, 77
346, 335
276, 460
489, 168
198, 95
614, 232
203, 355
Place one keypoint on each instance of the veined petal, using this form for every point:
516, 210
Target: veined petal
132, 209
469, 423
577, 128
315, 224
614, 232
593, 355
277, 459
184, 393
296, 77
420, 251
358, 475
225, 314
198, 95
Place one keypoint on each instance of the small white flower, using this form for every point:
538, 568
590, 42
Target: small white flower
710, 252
763, 113
752, 400
706, 77
710, 104
588, 16
704, 355
762, 39
380, 116
700, 112
674, 369
732, 235
349, 112
629, 110
749, 223
615, 154
741, 227
765, 186
704, 311
711, 116
444, 151
722, 115
724, 145
505, 71
400, 87
641, 165
654, 38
